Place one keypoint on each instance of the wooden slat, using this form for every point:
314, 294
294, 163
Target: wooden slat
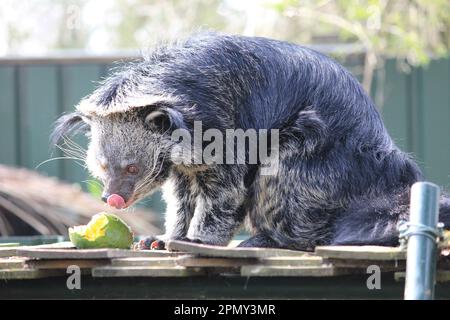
195, 261
225, 252
86, 253
292, 261
361, 252
145, 262
63, 264
441, 276
8, 252
312, 271
10, 274
12, 263
146, 272
385, 265
13, 251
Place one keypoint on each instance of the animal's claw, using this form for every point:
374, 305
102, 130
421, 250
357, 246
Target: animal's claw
150, 243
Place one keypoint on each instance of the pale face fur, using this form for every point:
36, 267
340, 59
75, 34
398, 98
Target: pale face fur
121, 140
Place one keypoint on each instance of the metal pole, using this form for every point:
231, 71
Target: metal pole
422, 248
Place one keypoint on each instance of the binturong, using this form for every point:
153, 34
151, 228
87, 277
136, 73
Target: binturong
339, 177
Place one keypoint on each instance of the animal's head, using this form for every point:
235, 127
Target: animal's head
130, 138
132, 115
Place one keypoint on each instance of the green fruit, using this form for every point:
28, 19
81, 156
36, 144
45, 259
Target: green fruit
105, 230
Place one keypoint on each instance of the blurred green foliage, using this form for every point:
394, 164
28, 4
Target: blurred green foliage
414, 30
94, 188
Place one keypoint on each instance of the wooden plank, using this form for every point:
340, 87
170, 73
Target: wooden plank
8, 252
13, 251
441, 276
10, 274
225, 252
362, 252
12, 263
145, 262
146, 272
292, 261
9, 117
385, 265
63, 264
42, 253
275, 271
195, 261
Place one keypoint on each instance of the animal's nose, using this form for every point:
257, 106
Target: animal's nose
105, 197
114, 200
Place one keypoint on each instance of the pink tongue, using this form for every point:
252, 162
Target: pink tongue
116, 201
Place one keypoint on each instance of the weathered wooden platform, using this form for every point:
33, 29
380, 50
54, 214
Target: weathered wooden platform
188, 270
184, 259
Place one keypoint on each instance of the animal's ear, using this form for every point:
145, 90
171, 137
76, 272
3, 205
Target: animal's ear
164, 119
69, 124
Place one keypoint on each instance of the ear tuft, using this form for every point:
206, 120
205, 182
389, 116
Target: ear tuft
158, 121
68, 124
164, 119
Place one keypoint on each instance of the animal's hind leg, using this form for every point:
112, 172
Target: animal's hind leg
281, 217
260, 241
290, 204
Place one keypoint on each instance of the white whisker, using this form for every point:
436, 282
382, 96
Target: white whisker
56, 158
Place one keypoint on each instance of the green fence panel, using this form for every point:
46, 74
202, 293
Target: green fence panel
415, 108
435, 128
8, 117
395, 104
38, 105
77, 81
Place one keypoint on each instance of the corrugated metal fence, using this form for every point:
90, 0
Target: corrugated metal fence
416, 111
33, 93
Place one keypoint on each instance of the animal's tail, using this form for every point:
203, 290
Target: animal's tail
374, 222
444, 211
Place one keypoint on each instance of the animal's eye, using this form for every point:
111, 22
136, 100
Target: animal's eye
132, 169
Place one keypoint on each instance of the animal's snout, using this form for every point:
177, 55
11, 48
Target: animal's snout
114, 200
105, 197
118, 193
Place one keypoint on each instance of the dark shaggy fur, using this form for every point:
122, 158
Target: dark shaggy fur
341, 179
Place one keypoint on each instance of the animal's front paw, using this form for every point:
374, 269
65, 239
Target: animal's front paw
150, 243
